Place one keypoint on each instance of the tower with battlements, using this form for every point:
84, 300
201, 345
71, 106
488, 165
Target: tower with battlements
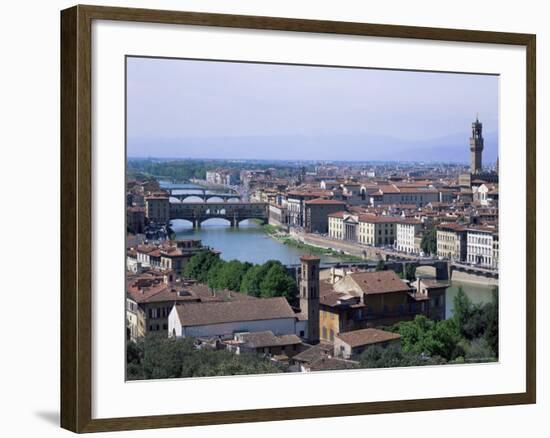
476, 147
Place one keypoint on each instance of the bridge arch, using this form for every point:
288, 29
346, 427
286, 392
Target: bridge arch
189, 197
226, 220
180, 224
234, 212
214, 199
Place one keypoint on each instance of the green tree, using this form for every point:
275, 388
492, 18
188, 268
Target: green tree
428, 244
380, 266
198, 266
227, 275
278, 283
478, 350
433, 338
213, 276
410, 272
394, 356
251, 281
475, 320
159, 357
491, 330
462, 307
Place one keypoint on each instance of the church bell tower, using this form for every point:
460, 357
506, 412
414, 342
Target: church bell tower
309, 295
476, 147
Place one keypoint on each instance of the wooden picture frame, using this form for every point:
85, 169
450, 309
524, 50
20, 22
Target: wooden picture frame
76, 217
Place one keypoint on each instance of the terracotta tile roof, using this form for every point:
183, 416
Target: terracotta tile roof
451, 226
325, 202
379, 282
325, 288
330, 299
268, 339
417, 190
371, 218
146, 249
369, 336
410, 221
149, 290
310, 193
332, 363
233, 311
206, 294
313, 353
172, 295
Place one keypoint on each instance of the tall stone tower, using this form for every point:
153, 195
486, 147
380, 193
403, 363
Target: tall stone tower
476, 147
309, 295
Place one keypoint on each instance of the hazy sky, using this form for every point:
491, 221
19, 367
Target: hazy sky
206, 109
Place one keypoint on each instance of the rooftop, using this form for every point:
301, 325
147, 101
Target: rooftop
233, 311
379, 282
268, 339
327, 363
369, 336
325, 202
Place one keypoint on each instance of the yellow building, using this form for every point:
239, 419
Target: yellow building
451, 241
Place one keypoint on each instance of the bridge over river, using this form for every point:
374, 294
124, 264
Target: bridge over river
234, 212
204, 194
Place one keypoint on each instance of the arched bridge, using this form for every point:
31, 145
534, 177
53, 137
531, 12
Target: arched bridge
234, 212
203, 194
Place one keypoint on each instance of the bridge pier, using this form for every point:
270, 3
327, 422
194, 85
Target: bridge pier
196, 223
442, 270
235, 222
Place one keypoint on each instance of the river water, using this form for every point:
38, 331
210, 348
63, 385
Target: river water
251, 244
247, 243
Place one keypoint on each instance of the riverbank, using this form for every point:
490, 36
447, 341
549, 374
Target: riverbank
282, 236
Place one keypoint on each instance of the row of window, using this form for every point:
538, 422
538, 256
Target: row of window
158, 312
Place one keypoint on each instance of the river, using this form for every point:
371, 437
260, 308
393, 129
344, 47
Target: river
247, 243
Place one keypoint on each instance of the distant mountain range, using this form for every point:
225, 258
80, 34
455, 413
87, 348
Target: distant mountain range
369, 147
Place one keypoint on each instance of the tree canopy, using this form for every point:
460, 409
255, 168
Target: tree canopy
198, 266
470, 335
477, 321
158, 357
428, 244
266, 280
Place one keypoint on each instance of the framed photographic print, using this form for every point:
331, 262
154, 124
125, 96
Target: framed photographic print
271, 209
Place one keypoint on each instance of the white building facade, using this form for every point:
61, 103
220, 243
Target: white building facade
482, 247
405, 235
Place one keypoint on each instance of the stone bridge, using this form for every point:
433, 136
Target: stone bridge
441, 267
234, 212
475, 270
203, 194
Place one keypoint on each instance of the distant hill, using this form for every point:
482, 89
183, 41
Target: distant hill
452, 148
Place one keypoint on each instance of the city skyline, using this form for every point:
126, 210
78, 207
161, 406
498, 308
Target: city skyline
246, 111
